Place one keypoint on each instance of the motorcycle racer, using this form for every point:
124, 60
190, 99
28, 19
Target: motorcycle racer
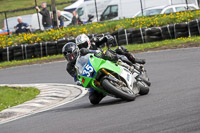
83, 41
71, 52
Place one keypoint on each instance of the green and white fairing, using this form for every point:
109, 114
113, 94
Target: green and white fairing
89, 65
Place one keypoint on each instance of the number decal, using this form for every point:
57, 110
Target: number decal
87, 70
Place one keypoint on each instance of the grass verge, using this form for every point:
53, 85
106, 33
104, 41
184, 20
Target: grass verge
166, 44
17, 4
47, 59
11, 96
135, 48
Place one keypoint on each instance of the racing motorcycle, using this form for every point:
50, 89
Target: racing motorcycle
116, 79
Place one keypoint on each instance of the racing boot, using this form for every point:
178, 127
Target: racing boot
123, 51
95, 97
140, 61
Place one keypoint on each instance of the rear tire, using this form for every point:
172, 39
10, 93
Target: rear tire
110, 88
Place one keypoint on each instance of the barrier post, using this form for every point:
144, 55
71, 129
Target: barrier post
142, 35
141, 7
8, 58
38, 15
7, 23
198, 25
96, 9
186, 1
169, 31
55, 16
116, 40
126, 36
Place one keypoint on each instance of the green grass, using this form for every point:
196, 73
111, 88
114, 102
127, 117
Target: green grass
132, 47
7, 64
166, 43
16, 4
6, 5
12, 96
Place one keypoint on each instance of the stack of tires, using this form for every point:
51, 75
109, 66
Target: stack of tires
7, 54
115, 35
138, 35
181, 30
1, 50
194, 27
39, 50
29, 51
153, 34
124, 36
166, 33
51, 48
18, 52
172, 30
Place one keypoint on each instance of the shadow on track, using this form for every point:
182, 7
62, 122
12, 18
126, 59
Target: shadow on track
77, 106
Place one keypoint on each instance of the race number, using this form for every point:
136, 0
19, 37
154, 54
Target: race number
87, 70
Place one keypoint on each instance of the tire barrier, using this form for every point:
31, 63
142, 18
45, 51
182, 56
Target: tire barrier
18, 52
194, 28
143, 35
38, 50
127, 36
124, 36
121, 36
1, 50
153, 34
138, 35
115, 35
166, 32
7, 54
51, 48
181, 30
28, 51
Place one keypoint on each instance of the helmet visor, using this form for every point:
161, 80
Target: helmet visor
71, 57
83, 45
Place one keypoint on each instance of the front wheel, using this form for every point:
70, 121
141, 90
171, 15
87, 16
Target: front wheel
144, 90
120, 92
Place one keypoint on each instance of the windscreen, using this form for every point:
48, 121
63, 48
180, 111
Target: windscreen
81, 62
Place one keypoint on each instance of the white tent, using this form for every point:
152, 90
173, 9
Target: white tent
73, 6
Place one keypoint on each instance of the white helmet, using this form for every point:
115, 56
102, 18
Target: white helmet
83, 41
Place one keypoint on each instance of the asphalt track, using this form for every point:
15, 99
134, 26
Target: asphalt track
172, 106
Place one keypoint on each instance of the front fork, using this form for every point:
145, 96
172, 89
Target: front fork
110, 77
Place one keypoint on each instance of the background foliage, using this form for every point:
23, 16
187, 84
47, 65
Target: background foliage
101, 27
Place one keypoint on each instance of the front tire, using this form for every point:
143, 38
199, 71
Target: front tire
117, 91
144, 90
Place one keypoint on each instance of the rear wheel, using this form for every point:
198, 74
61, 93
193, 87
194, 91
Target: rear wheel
118, 91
